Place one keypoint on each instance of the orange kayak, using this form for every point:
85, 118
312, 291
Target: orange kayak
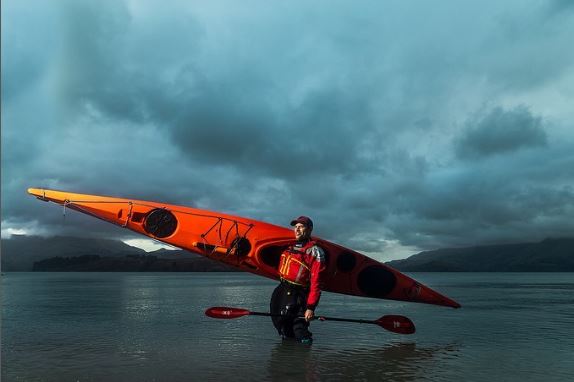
247, 244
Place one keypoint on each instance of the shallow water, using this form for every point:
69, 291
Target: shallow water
151, 327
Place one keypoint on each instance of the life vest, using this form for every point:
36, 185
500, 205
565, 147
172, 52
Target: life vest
294, 264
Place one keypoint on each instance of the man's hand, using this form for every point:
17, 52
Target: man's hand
309, 314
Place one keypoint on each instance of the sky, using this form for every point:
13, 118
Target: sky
398, 126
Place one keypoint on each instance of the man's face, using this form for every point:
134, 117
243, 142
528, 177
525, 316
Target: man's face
301, 231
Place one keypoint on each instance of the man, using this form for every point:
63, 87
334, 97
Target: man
297, 296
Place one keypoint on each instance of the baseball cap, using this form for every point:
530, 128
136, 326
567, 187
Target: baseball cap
303, 220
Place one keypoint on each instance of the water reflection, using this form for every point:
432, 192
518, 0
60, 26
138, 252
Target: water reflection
290, 361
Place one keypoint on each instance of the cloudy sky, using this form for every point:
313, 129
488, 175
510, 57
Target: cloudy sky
399, 126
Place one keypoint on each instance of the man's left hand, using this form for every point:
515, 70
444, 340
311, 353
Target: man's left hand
309, 314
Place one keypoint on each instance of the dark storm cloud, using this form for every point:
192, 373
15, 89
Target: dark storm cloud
499, 131
560, 6
317, 136
109, 63
369, 118
491, 200
247, 124
518, 50
244, 121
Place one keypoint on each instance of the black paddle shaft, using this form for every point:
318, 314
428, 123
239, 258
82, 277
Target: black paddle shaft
320, 318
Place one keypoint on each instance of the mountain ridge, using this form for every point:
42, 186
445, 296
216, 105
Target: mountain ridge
22, 253
64, 253
548, 255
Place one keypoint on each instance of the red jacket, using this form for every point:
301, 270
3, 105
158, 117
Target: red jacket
302, 264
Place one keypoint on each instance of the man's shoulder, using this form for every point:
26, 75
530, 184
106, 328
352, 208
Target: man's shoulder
317, 252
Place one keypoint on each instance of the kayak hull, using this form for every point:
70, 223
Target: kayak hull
246, 244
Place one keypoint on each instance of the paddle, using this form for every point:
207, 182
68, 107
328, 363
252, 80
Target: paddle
393, 323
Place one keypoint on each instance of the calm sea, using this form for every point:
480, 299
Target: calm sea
151, 327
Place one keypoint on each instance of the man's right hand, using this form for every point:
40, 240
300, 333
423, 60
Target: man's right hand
309, 314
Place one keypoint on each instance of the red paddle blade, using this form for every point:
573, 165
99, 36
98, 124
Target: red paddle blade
226, 312
397, 324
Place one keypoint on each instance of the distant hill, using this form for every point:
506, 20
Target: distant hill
20, 251
549, 255
61, 253
130, 263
